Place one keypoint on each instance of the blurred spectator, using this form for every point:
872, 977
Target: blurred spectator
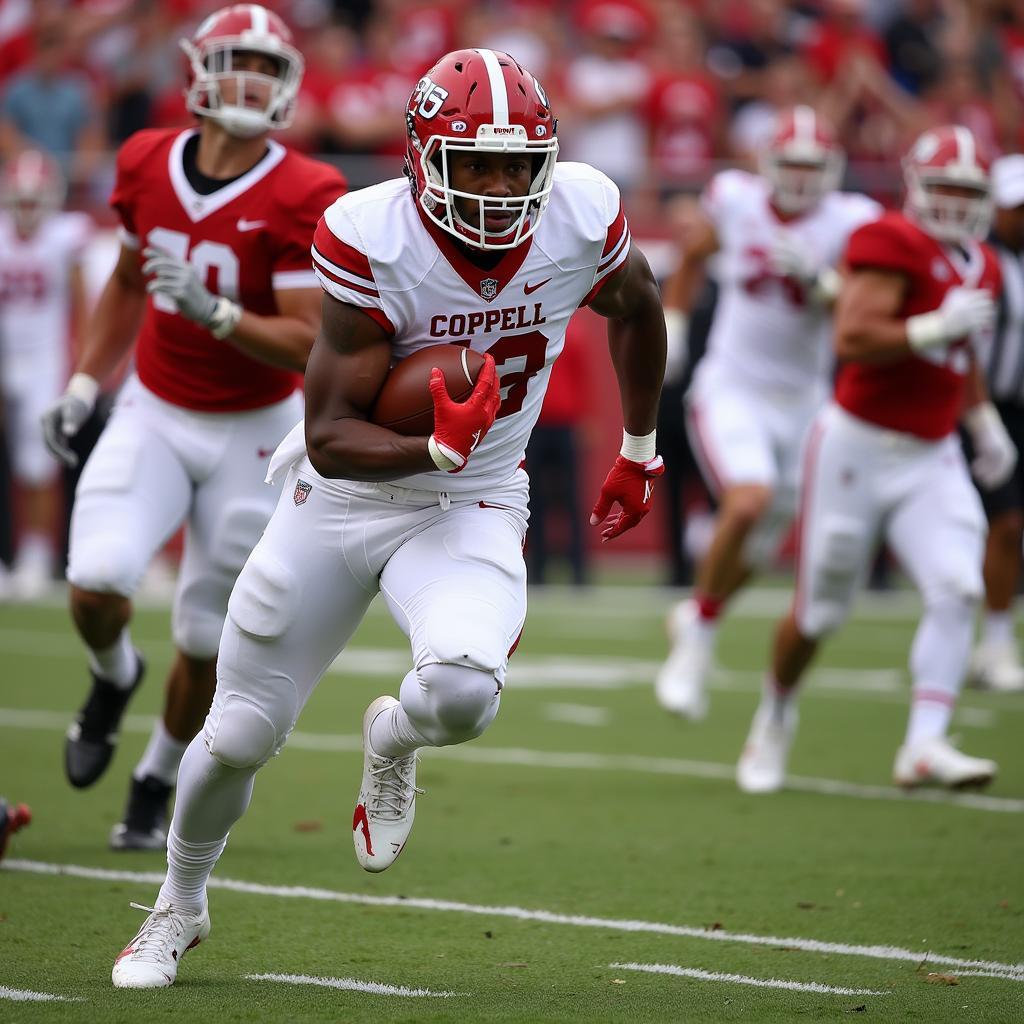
529, 30
786, 82
50, 105
605, 89
841, 34
912, 44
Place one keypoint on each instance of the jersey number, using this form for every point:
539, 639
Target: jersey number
205, 257
517, 359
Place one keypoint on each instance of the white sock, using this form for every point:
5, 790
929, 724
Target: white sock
930, 714
161, 757
997, 630
189, 866
775, 698
117, 663
392, 734
35, 551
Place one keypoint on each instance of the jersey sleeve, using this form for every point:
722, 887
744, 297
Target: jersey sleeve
717, 198
616, 242
342, 267
291, 267
79, 233
128, 183
881, 245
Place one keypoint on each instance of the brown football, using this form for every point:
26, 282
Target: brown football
404, 404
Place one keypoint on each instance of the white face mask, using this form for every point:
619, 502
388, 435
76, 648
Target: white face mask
949, 218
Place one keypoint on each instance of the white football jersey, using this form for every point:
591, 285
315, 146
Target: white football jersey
766, 331
374, 249
35, 296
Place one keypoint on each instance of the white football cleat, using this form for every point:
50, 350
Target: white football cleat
681, 683
151, 959
387, 800
996, 667
762, 765
937, 762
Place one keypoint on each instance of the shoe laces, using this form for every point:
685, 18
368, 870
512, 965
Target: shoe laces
394, 787
159, 935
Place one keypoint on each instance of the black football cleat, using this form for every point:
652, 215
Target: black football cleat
144, 825
92, 737
12, 818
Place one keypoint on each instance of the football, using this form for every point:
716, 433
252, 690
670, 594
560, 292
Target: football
404, 404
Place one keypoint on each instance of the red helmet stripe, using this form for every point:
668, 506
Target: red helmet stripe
496, 79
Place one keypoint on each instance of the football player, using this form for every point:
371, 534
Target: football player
41, 296
488, 244
213, 288
883, 460
775, 239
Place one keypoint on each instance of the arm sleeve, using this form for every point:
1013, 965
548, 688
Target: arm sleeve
616, 242
291, 267
880, 245
343, 268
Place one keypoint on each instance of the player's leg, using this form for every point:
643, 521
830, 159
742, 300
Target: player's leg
734, 446
230, 510
294, 606
996, 661
458, 590
938, 533
133, 494
839, 517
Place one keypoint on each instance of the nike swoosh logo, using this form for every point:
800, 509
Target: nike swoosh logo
647, 491
249, 225
530, 288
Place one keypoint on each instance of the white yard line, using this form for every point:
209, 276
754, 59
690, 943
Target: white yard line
15, 718
1013, 972
743, 979
351, 985
577, 714
21, 995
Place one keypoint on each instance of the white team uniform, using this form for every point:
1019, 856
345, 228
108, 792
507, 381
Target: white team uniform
35, 311
445, 550
766, 371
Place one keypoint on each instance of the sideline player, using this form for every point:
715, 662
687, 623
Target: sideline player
884, 460
42, 298
776, 238
494, 247
217, 223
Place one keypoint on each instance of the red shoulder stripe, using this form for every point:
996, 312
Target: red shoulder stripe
321, 268
615, 231
332, 248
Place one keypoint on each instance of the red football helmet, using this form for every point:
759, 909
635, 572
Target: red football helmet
479, 100
940, 160
802, 161
32, 188
243, 28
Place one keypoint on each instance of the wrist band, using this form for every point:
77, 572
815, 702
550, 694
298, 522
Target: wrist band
83, 387
638, 448
224, 318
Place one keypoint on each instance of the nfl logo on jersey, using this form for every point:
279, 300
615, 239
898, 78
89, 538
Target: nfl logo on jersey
488, 288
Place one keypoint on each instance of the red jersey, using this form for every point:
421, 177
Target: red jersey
248, 239
917, 394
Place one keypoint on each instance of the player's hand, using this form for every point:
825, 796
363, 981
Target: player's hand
178, 281
788, 258
994, 452
65, 417
459, 427
631, 485
963, 311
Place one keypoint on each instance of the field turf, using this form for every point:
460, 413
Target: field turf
584, 838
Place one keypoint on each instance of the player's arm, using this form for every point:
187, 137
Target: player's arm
636, 339
869, 329
79, 305
995, 454
283, 340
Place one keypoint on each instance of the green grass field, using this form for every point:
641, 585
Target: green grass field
585, 835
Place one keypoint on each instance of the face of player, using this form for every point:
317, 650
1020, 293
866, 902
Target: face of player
798, 186
495, 176
253, 89
953, 206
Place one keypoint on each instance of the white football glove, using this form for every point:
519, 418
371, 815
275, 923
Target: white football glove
65, 417
677, 329
788, 258
178, 281
963, 311
994, 453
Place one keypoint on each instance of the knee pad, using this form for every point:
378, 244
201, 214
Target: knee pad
837, 560
265, 599
106, 565
450, 703
467, 633
240, 734
196, 630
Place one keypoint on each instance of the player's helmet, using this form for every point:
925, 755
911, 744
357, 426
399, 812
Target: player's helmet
802, 161
479, 100
243, 28
32, 188
942, 158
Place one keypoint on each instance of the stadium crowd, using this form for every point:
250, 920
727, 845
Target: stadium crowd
656, 93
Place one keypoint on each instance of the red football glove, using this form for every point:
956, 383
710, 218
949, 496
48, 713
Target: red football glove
631, 484
460, 426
